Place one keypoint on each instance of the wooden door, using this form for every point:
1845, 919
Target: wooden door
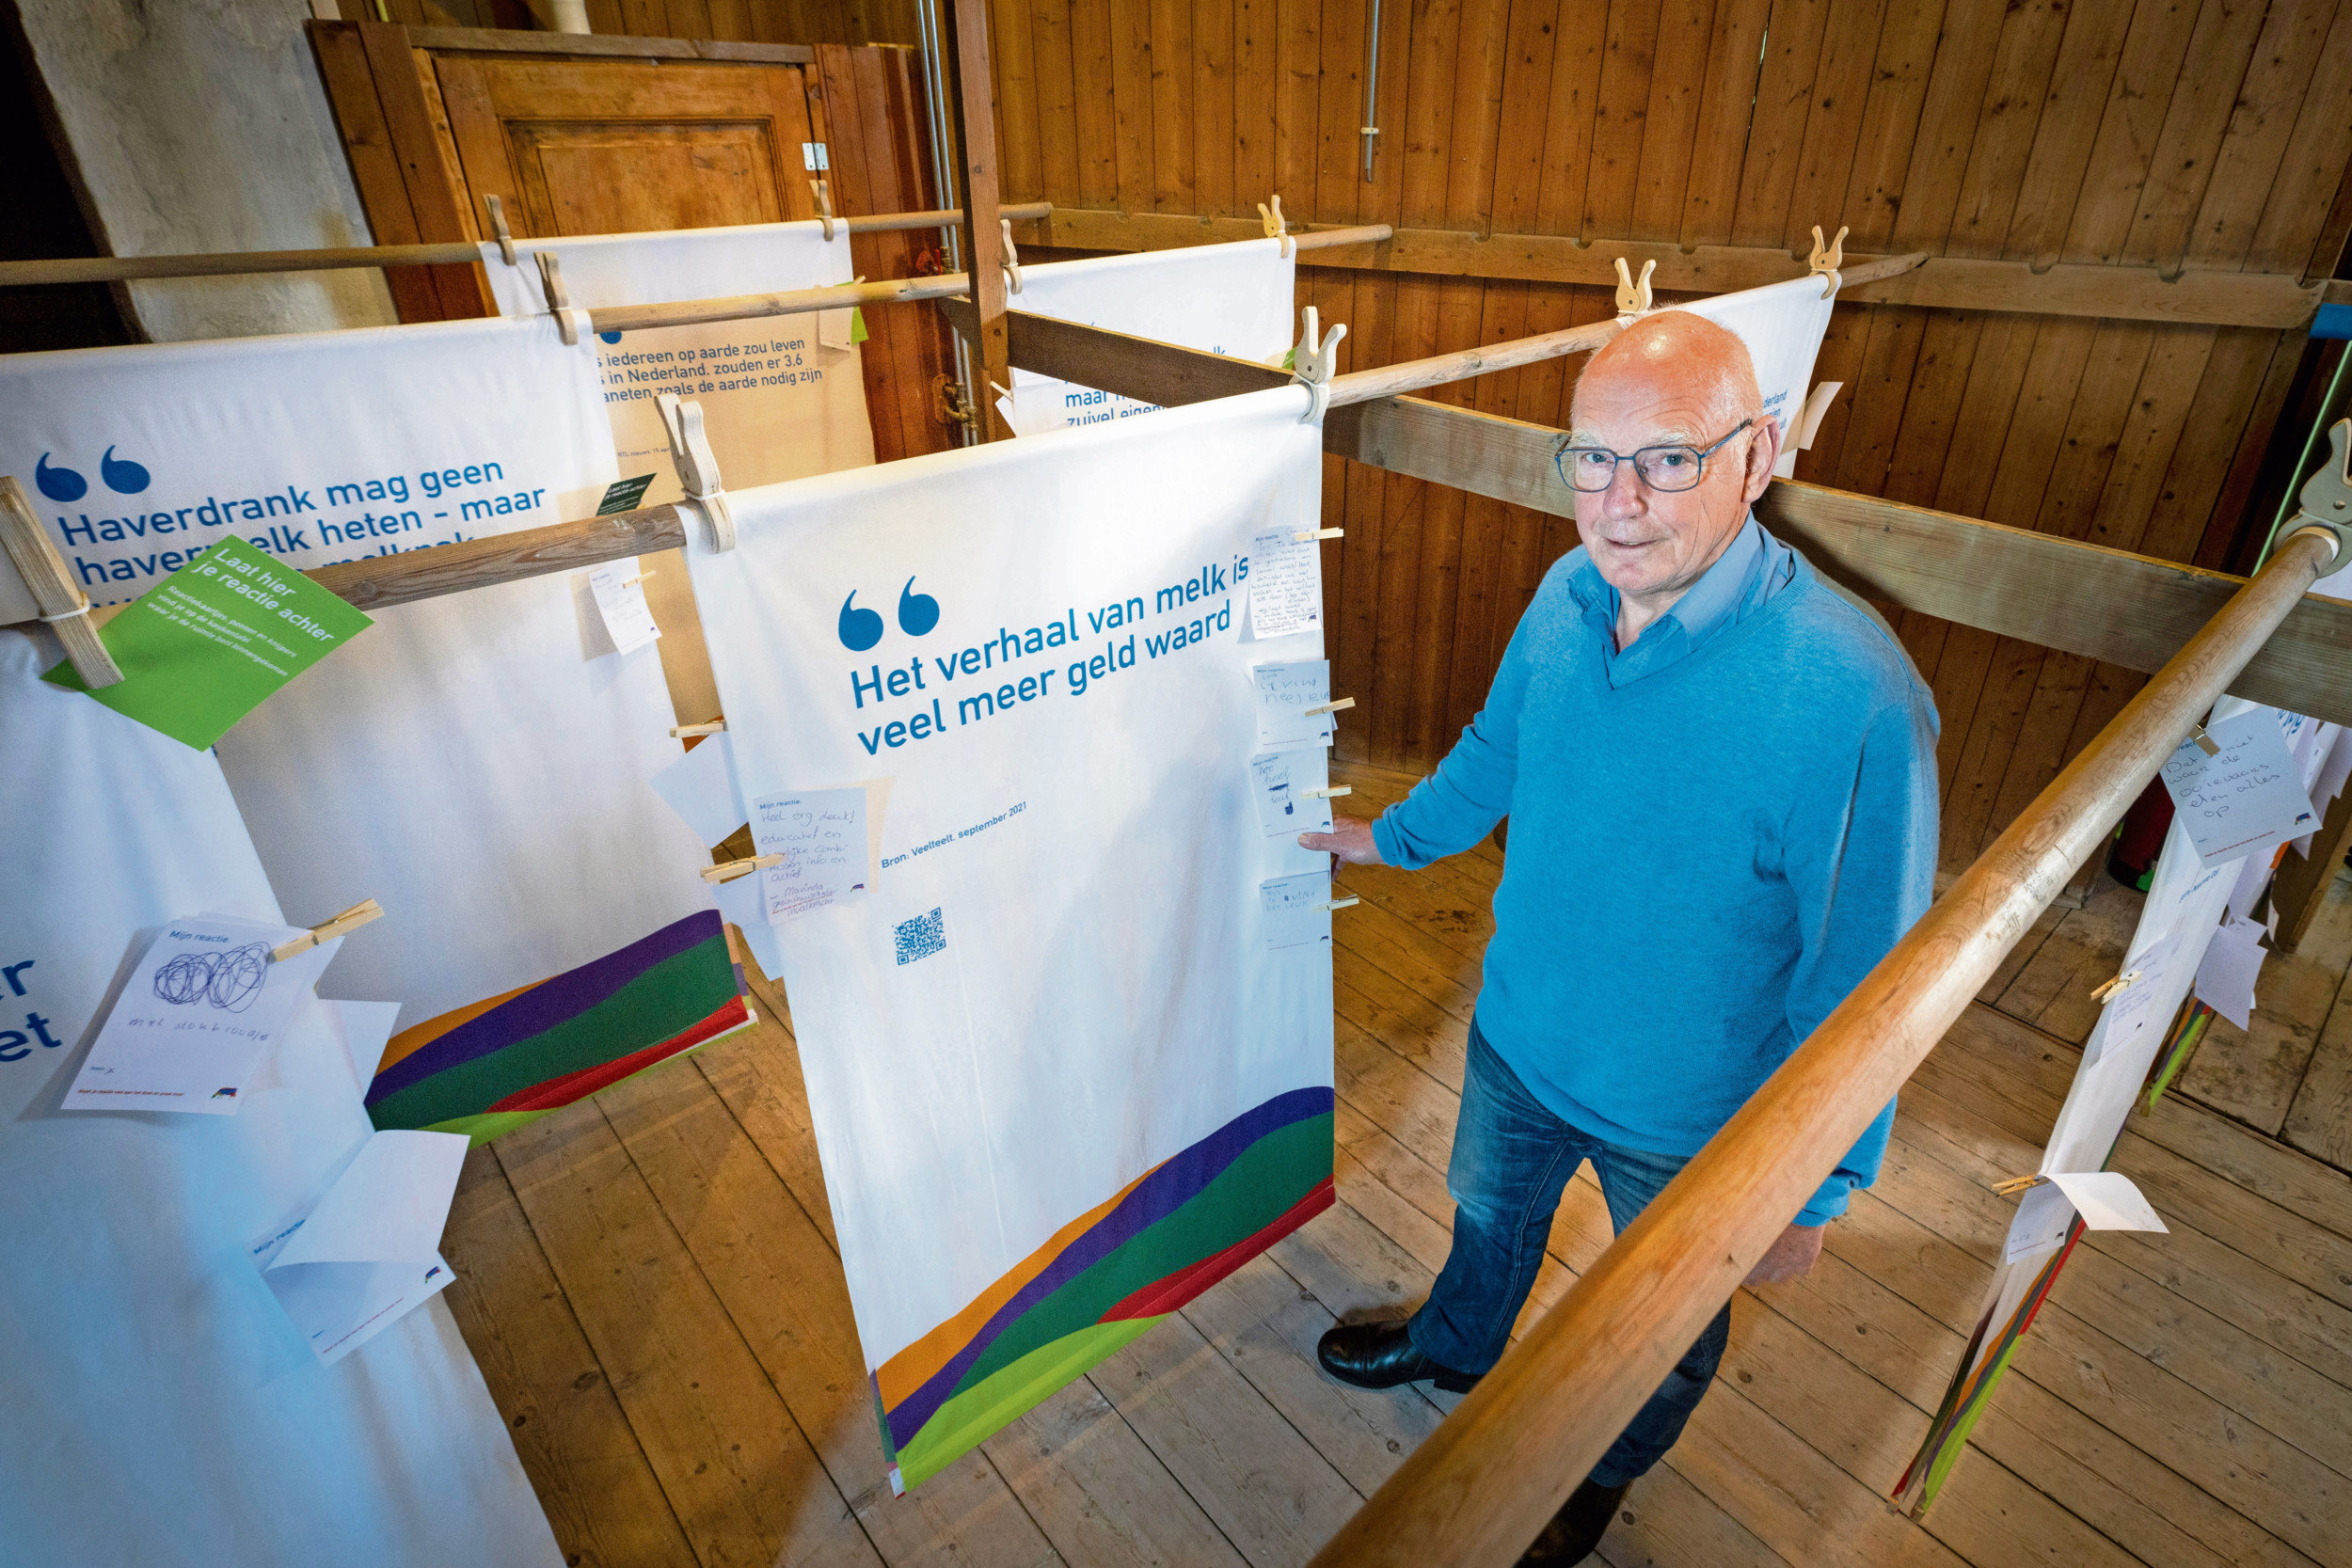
605, 136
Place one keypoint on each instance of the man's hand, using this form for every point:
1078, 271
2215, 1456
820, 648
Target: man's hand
1350, 840
1791, 1256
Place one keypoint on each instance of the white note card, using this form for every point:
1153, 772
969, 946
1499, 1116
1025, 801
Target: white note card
367, 1029
2131, 1011
621, 600
821, 836
700, 786
2247, 797
2106, 1200
1285, 584
2225, 980
1285, 692
368, 1251
2043, 1218
203, 1006
1281, 780
1297, 911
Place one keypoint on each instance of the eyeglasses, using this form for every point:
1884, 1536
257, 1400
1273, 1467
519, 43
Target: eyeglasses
1593, 469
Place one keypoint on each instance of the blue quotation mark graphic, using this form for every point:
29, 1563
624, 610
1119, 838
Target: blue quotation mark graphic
122, 476
861, 629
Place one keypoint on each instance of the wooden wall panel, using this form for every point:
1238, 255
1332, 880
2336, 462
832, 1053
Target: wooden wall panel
2212, 134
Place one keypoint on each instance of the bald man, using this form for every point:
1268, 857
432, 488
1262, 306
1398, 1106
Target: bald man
1720, 772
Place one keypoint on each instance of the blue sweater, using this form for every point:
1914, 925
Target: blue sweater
1714, 836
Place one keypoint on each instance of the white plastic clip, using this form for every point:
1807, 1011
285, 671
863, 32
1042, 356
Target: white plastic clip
824, 206
1277, 227
1312, 366
1826, 260
499, 231
559, 302
2325, 499
697, 469
1012, 258
1633, 298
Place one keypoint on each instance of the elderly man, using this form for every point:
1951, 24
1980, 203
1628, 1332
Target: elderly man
1720, 772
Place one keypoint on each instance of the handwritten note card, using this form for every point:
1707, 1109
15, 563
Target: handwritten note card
2247, 797
621, 600
1281, 780
2131, 1011
1285, 692
821, 836
1296, 912
203, 1006
2225, 980
1285, 584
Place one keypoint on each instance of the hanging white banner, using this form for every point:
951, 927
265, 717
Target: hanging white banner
318, 447
1782, 326
782, 396
162, 1406
1231, 299
1064, 1014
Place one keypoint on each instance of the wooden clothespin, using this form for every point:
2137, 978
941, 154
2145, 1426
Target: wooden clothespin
729, 870
351, 919
2018, 1184
1331, 794
1277, 227
1312, 535
697, 468
639, 577
1827, 260
1313, 364
2121, 983
1633, 298
498, 227
62, 604
559, 300
2205, 743
717, 726
1342, 903
1338, 705
824, 195
1012, 256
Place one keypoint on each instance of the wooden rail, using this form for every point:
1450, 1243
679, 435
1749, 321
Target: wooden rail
1484, 1483
117, 269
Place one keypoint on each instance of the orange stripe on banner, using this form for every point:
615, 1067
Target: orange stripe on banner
914, 1365
408, 1042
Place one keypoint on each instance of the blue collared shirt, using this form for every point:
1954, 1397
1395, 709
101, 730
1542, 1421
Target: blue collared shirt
1753, 568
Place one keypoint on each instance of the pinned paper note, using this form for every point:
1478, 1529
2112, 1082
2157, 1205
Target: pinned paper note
1297, 911
370, 1250
1285, 585
367, 1029
201, 1009
2106, 1200
701, 787
1281, 780
2245, 796
1285, 692
2225, 980
2044, 1218
821, 836
620, 591
2131, 1007
205, 646
623, 494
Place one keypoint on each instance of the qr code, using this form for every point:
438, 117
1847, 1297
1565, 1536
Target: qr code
921, 937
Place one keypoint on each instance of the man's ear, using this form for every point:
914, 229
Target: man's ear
1763, 451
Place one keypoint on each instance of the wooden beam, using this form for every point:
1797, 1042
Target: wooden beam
2211, 297
489, 41
371, 583
983, 241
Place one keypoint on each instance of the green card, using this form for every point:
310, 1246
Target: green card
203, 647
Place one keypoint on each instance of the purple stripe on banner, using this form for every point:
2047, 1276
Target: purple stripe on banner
547, 1005
1178, 1180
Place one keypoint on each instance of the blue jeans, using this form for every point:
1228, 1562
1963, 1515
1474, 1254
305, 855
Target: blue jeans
1512, 1160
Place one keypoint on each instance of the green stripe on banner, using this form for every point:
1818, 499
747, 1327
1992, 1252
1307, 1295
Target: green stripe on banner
667, 999
959, 1425
1260, 1186
1956, 1443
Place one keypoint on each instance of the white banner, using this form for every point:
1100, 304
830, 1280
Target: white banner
1064, 1017
161, 1405
1782, 326
318, 447
1230, 299
782, 396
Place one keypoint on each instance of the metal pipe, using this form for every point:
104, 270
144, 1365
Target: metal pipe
1371, 130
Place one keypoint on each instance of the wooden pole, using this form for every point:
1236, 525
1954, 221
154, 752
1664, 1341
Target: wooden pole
983, 241
1486, 1480
115, 269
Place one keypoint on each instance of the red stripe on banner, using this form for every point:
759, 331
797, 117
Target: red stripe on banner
557, 1092
1165, 1295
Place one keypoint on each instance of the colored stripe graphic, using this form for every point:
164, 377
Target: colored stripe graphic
1105, 1280
548, 1044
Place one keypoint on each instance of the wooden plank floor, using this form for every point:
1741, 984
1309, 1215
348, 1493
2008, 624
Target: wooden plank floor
651, 1284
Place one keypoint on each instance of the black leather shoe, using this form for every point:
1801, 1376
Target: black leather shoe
1381, 1356
1574, 1533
